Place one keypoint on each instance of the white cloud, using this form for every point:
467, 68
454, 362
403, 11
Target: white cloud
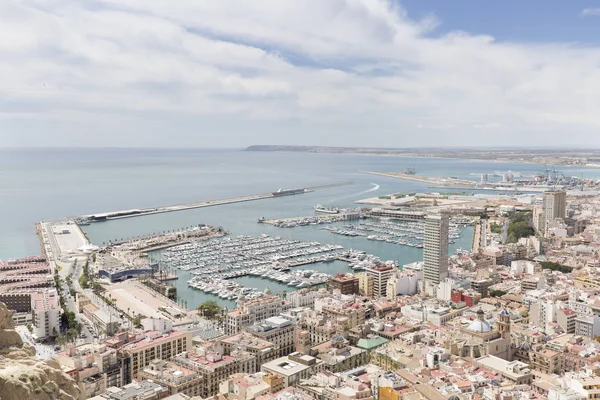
210, 73
590, 11
491, 125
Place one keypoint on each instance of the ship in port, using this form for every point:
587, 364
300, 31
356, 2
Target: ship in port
289, 192
326, 210
409, 171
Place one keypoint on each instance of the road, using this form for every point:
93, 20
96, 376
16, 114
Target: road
65, 267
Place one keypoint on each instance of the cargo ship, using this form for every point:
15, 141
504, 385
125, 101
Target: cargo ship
326, 210
289, 192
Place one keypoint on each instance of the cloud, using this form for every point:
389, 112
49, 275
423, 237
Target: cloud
223, 73
491, 125
590, 11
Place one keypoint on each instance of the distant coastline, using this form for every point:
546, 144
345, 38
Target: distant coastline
551, 157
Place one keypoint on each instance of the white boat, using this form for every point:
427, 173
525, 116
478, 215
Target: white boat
326, 210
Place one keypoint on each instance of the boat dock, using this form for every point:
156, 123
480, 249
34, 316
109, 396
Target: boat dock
200, 204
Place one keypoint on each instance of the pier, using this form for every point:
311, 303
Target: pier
200, 204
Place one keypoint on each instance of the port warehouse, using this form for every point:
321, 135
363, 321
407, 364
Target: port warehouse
122, 274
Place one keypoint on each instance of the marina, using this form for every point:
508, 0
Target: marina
404, 233
319, 219
214, 264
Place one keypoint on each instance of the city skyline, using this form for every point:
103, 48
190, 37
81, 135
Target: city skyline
364, 73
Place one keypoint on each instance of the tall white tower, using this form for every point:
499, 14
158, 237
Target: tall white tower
435, 249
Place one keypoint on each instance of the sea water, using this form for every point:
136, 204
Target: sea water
44, 184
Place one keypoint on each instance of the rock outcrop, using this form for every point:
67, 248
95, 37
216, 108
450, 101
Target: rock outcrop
22, 374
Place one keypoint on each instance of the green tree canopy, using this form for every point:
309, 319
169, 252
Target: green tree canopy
209, 309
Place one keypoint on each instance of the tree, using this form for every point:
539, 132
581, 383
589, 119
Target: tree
62, 340
54, 332
497, 293
137, 321
495, 228
209, 309
556, 267
72, 334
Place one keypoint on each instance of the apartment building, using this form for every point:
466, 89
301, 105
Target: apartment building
263, 350
366, 284
279, 331
253, 311
174, 377
345, 283
380, 273
95, 367
154, 345
45, 311
588, 326
293, 368
213, 367
565, 318
547, 361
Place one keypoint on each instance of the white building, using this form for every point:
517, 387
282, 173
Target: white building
435, 249
157, 324
525, 267
293, 368
543, 311
433, 311
403, 284
45, 310
252, 311
305, 297
588, 326
445, 287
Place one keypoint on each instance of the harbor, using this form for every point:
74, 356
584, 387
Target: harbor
214, 264
100, 217
403, 233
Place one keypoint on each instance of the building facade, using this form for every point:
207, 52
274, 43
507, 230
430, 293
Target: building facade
345, 283
380, 273
45, 309
435, 249
252, 311
154, 345
279, 331
554, 206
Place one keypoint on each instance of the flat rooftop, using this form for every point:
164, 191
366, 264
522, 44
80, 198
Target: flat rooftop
285, 367
153, 342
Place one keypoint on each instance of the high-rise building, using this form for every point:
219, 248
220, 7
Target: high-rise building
435, 249
45, 309
380, 273
555, 206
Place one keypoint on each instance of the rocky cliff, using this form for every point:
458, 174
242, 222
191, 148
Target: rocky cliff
22, 374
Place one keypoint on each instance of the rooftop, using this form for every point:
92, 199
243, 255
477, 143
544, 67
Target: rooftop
149, 341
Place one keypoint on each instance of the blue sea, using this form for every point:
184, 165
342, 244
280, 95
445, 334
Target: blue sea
44, 184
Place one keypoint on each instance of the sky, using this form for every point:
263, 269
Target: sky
224, 73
